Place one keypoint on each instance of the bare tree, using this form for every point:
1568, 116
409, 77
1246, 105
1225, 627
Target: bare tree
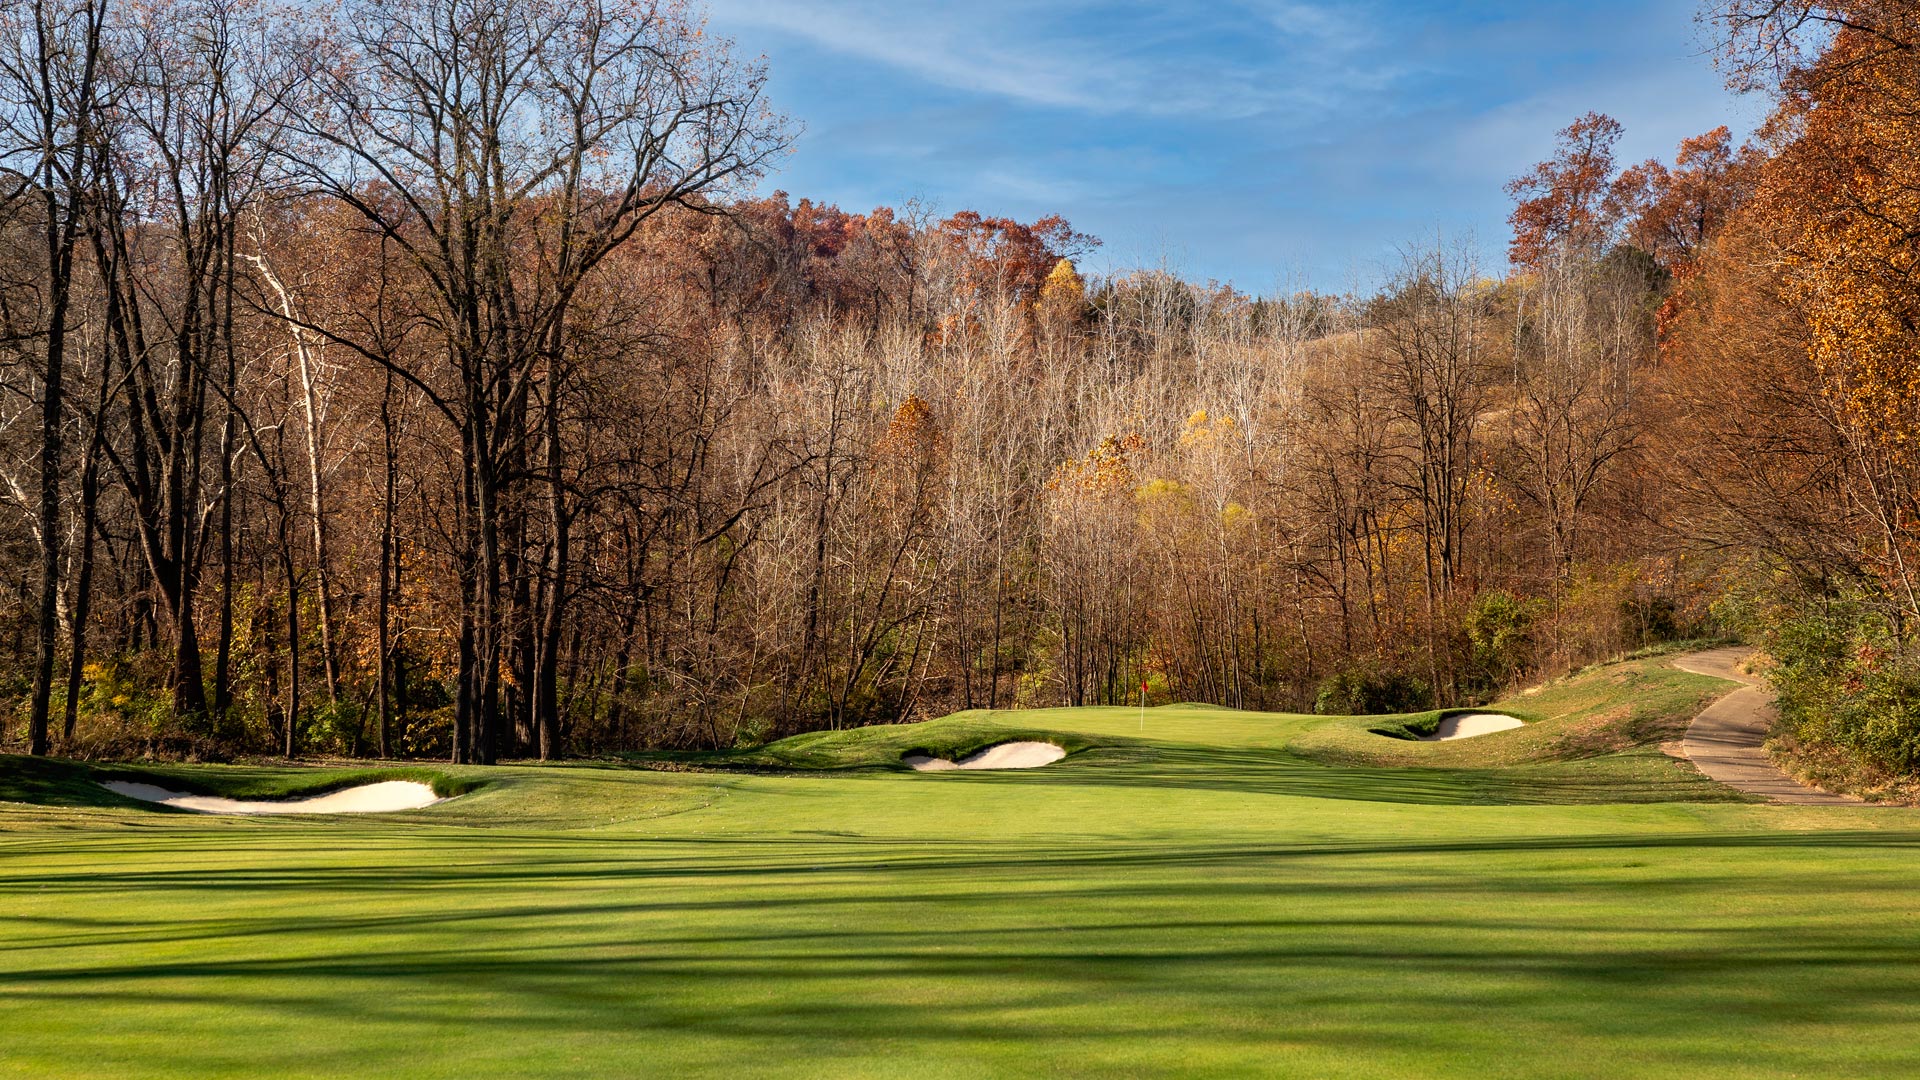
1431, 367
50, 113
1572, 416
506, 147
204, 91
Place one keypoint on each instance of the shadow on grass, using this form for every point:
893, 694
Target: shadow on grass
707, 954
58, 782
1280, 772
558, 861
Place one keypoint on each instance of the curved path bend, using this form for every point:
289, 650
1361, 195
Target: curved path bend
1725, 741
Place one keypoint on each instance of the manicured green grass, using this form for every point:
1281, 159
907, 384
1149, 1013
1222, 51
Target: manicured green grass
1223, 893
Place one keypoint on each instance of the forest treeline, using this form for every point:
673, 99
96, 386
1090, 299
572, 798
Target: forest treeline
421, 378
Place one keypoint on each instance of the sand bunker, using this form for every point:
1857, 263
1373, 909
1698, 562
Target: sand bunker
383, 797
1468, 725
1012, 755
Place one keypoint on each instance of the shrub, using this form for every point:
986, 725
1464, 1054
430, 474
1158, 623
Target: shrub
1364, 692
1847, 679
337, 727
1499, 627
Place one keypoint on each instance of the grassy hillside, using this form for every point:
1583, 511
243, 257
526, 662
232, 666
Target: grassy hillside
1594, 737
1223, 893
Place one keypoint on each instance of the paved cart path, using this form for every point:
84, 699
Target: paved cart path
1725, 740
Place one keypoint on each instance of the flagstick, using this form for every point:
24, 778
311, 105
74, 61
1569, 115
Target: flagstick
1143, 706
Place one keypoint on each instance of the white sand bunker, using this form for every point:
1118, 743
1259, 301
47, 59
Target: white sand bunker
381, 798
1469, 725
1010, 755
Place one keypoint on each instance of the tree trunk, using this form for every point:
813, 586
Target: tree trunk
83, 576
384, 660
52, 461
293, 642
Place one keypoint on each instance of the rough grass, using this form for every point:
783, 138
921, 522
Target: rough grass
1198, 898
1605, 710
1600, 729
1831, 768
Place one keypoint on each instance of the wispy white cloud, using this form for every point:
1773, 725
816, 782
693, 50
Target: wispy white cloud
940, 50
1346, 28
1225, 61
1259, 133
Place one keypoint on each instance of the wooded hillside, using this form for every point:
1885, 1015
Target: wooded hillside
426, 379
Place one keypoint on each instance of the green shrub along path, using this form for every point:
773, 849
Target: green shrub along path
1227, 893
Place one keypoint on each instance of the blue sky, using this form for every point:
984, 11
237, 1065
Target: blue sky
1262, 142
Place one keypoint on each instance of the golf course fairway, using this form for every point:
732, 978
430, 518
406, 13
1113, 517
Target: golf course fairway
1223, 893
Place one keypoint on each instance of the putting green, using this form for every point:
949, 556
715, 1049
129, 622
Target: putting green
1227, 893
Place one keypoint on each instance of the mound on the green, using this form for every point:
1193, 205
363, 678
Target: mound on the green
1224, 894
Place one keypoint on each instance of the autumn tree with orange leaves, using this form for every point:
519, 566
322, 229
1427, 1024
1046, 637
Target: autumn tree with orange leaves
1805, 320
1837, 210
1563, 202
